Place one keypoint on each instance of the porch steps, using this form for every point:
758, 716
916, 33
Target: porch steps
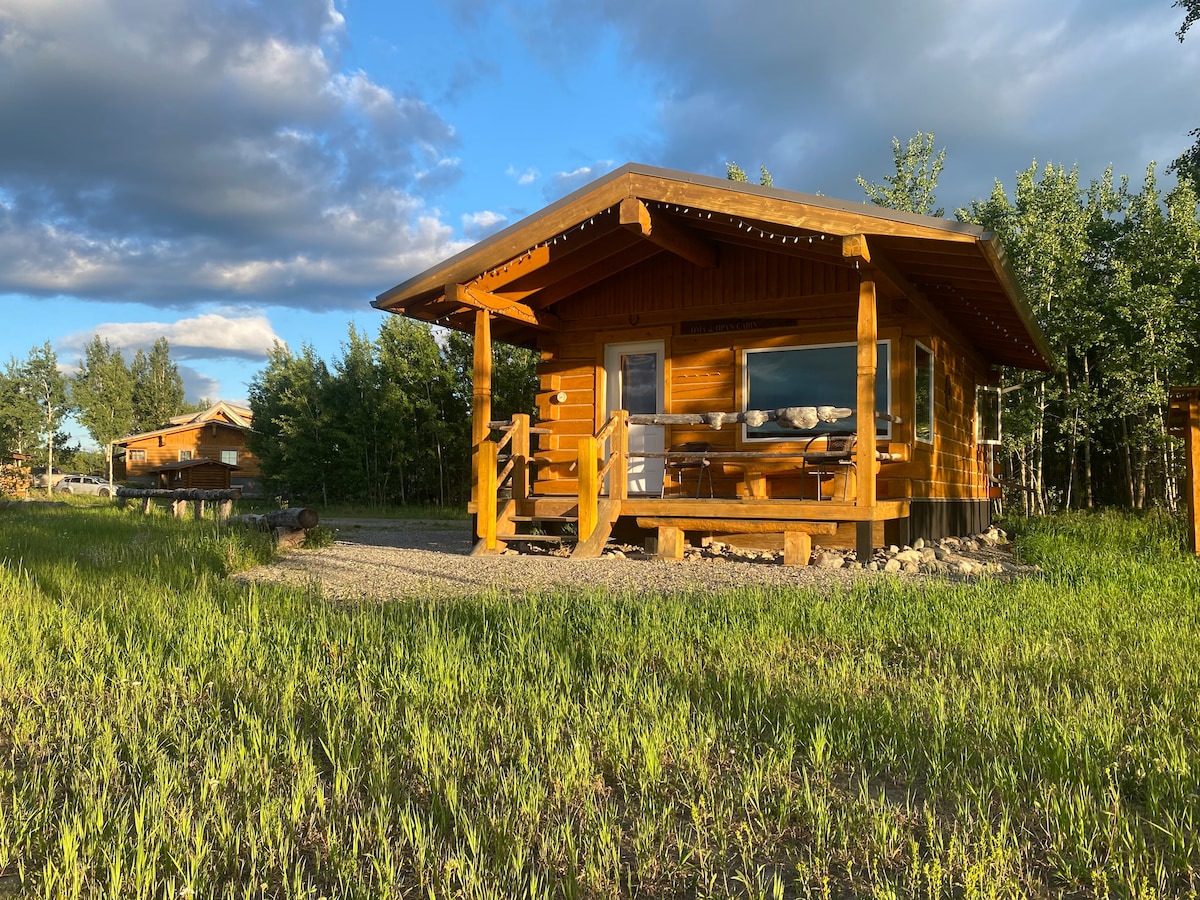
548, 530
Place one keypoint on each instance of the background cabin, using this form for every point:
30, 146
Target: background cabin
217, 433
680, 318
202, 474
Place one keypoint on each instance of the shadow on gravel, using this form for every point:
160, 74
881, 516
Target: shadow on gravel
406, 534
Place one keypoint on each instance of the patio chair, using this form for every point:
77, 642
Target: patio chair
834, 477
677, 469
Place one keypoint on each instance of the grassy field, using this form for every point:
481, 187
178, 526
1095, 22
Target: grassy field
166, 733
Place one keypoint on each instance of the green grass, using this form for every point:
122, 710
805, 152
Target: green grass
163, 730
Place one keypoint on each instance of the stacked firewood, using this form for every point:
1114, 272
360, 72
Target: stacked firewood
14, 481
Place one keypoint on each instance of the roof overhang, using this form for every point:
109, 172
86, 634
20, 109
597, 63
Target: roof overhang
956, 273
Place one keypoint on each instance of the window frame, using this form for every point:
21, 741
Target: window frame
186, 455
137, 455
883, 431
917, 417
981, 391
227, 462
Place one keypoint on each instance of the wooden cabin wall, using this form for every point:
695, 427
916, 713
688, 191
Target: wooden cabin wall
800, 302
204, 441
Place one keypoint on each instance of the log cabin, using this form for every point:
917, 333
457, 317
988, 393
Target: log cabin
722, 358
217, 433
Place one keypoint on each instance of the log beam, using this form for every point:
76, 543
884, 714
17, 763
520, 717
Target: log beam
736, 526
498, 305
864, 447
485, 301
854, 247
635, 216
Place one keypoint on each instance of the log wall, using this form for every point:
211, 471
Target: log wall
205, 440
751, 299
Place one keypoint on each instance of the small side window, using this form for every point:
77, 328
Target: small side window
137, 455
229, 456
923, 413
987, 414
185, 454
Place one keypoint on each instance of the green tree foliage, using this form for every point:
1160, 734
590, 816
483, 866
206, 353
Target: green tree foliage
1191, 10
1188, 164
291, 434
20, 418
33, 405
734, 172
387, 422
1114, 280
913, 186
157, 387
102, 395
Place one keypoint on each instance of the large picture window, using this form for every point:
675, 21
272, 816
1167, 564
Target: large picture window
817, 375
923, 414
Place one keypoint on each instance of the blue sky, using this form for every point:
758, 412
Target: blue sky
232, 172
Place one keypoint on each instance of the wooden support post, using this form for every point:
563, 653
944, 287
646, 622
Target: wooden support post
797, 548
486, 509
521, 480
198, 510
670, 542
1191, 449
146, 501
618, 487
481, 396
864, 448
589, 487
224, 511
179, 508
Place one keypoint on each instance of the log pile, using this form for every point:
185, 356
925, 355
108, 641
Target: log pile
14, 481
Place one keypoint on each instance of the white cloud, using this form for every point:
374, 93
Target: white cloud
523, 177
205, 336
564, 182
172, 152
197, 386
478, 225
1095, 82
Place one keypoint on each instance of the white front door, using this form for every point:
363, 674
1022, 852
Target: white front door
635, 383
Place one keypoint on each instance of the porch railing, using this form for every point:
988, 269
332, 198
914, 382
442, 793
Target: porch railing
505, 480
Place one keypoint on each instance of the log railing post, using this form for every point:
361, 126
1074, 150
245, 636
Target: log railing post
618, 484
520, 454
486, 504
589, 486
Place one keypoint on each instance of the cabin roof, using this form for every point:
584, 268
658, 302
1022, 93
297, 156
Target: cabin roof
235, 415
953, 272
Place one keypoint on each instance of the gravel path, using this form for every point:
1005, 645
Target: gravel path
387, 559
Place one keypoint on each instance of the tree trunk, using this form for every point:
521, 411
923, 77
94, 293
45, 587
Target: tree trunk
1127, 458
1087, 442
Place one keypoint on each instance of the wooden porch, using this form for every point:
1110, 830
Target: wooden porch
510, 510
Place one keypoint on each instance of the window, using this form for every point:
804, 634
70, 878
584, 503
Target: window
229, 457
819, 375
137, 455
923, 411
987, 415
185, 454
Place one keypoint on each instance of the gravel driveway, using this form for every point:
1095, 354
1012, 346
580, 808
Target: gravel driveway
390, 559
